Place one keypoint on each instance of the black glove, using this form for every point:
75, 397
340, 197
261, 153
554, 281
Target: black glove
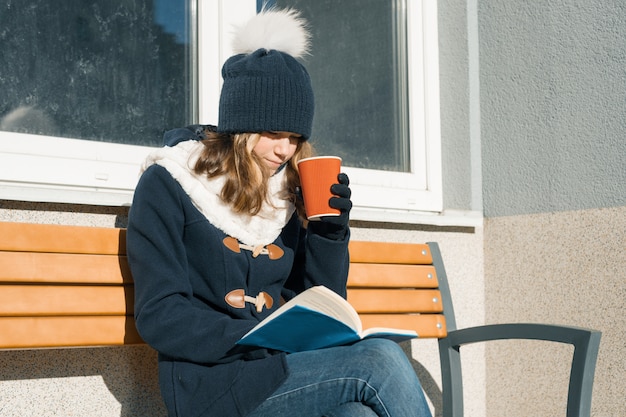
335, 227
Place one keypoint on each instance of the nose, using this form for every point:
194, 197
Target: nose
281, 145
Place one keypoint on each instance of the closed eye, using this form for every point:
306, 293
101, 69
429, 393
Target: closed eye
279, 135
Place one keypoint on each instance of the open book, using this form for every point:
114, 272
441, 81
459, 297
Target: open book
315, 319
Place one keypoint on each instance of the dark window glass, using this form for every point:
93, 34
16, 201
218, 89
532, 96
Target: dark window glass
104, 70
358, 67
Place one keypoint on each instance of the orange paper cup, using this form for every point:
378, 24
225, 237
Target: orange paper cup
317, 175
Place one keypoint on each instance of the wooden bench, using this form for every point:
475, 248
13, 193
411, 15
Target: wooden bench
70, 286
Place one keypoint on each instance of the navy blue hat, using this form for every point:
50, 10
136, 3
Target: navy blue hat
267, 89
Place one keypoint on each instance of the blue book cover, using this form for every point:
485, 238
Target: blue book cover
315, 319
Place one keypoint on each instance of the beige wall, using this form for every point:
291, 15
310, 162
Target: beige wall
93, 382
566, 268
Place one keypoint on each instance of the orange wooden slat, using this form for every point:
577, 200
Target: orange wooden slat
390, 275
395, 301
51, 300
35, 332
30, 237
385, 252
63, 268
426, 325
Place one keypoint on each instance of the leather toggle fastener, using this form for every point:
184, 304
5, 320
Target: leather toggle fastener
272, 251
238, 299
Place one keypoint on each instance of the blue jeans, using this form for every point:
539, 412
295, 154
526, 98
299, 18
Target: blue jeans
368, 379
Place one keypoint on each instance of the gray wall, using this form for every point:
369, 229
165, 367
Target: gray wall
533, 102
553, 102
455, 109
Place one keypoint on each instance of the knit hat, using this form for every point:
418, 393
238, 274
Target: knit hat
265, 87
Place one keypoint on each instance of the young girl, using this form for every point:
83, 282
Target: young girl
217, 210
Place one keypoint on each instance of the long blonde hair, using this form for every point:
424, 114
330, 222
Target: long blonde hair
246, 176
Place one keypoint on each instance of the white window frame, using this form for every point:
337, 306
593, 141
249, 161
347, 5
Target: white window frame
416, 196
53, 169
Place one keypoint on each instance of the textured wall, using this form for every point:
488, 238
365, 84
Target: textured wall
104, 382
553, 135
565, 268
552, 88
454, 105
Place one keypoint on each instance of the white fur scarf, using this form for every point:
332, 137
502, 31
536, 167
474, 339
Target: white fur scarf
261, 229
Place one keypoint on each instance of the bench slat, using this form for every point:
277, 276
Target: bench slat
63, 268
390, 276
28, 237
61, 300
390, 253
395, 301
36, 332
426, 325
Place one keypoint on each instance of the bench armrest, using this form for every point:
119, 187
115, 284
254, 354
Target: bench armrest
586, 345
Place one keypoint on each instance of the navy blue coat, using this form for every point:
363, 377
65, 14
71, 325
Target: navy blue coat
182, 272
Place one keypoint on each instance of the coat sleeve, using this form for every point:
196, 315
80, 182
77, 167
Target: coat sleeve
319, 261
166, 314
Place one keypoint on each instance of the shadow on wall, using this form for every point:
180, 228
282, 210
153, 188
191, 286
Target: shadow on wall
429, 384
129, 372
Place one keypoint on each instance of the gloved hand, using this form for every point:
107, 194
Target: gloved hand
336, 227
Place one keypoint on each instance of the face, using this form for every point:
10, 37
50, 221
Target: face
276, 148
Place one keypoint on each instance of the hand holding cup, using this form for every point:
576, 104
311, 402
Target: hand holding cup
326, 195
317, 176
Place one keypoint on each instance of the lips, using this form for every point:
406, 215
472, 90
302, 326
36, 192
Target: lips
275, 163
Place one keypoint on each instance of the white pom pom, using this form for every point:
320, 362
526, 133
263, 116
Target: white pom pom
281, 30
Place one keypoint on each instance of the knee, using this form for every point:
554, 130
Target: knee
384, 352
389, 367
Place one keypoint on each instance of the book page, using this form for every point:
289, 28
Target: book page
330, 303
325, 301
389, 333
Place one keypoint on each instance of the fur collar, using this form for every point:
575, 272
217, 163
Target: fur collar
261, 229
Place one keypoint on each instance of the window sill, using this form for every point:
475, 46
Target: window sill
452, 218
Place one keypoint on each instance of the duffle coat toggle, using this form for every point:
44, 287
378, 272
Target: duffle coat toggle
274, 252
238, 299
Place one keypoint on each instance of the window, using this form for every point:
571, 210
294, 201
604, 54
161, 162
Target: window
99, 73
90, 86
375, 75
